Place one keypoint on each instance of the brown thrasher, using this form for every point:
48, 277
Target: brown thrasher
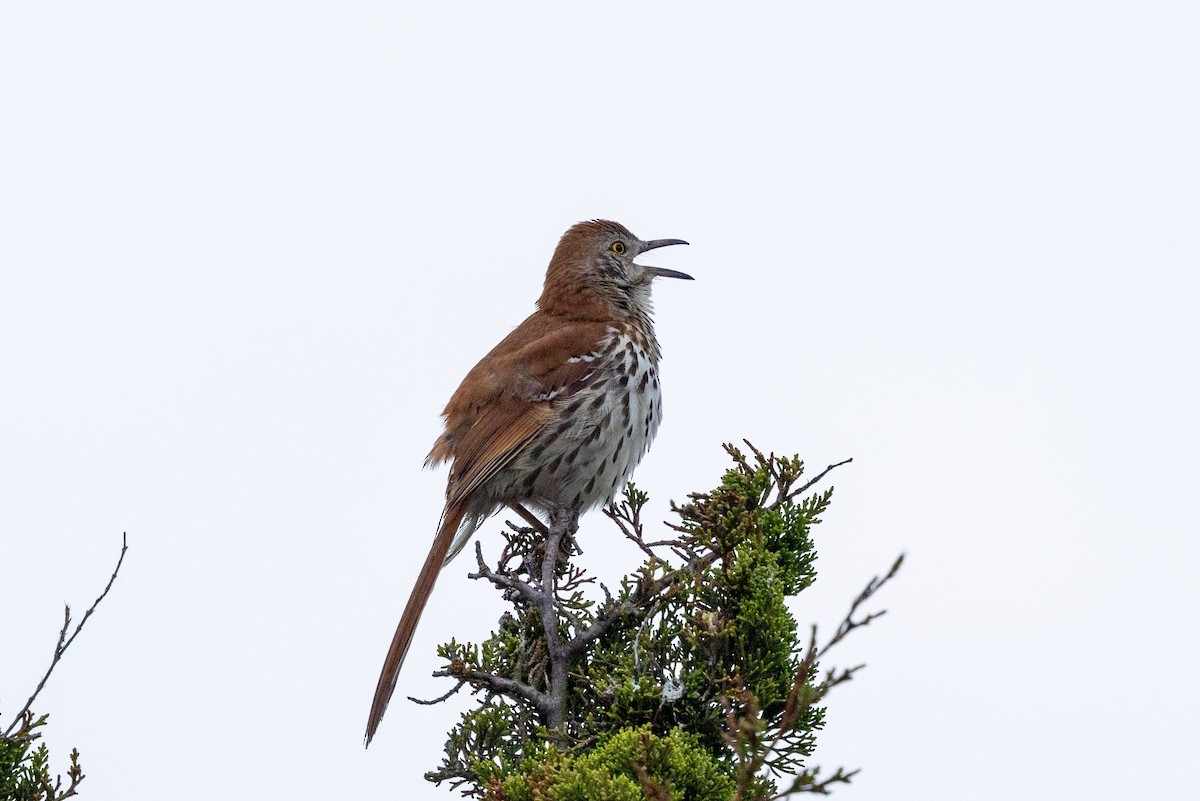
557, 415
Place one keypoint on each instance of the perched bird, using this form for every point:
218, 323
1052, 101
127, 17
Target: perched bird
557, 415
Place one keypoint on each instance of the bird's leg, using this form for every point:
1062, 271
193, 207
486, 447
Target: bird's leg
530, 518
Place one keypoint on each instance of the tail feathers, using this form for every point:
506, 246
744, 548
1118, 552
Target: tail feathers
412, 615
466, 530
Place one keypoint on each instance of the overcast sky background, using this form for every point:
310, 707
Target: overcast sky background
249, 249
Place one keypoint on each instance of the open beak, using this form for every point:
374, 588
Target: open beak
662, 272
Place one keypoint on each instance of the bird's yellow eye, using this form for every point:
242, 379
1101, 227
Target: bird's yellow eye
618, 247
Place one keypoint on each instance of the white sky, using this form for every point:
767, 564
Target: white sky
248, 250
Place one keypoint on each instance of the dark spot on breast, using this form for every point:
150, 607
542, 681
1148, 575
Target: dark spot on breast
563, 427
553, 466
531, 479
536, 451
624, 381
642, 383
591, 483
573, 407
597, 402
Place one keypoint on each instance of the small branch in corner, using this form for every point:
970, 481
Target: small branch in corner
64, 642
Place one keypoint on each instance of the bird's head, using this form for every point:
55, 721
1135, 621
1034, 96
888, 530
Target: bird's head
593, 275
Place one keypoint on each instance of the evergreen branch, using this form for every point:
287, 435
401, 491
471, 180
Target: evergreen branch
497, 685
654, 791
628, 518
27, 775
696, 640
531, 594
646, 591
803, 695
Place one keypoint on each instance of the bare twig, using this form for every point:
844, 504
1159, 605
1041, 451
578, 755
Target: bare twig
803, 696
823, 787
807, 485
848, 623
500, 686
442, 697
64, 642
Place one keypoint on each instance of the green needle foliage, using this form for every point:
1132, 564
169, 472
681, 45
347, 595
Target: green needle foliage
25, 770
691, 681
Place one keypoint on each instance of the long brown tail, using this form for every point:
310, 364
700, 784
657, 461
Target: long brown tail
412, 615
